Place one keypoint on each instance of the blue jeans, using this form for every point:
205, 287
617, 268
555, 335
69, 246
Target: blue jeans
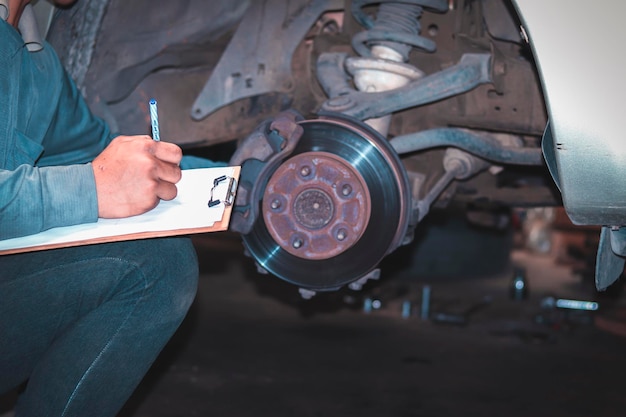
83, 325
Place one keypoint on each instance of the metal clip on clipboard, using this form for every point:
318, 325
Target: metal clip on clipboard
230, 191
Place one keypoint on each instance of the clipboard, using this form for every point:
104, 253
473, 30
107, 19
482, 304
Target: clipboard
203, 205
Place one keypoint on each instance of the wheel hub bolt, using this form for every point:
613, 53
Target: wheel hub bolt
346, 190
297, 243
341, 234
305, 171
275, 204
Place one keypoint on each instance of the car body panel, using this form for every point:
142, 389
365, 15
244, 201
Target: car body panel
582, 77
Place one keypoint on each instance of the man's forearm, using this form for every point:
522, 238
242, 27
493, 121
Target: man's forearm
35, 199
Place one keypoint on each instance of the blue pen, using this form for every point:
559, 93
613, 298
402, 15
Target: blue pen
154, 120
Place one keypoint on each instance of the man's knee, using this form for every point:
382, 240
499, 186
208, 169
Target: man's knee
162, 275
174, 266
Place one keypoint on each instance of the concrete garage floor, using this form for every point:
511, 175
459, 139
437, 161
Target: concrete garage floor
251, 347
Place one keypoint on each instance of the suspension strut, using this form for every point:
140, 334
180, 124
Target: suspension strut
385, 45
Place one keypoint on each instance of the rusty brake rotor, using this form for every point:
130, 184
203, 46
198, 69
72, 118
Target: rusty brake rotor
333, 208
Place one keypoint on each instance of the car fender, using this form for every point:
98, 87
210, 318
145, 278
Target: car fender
577, 49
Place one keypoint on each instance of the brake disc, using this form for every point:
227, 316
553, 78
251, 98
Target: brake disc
333, 209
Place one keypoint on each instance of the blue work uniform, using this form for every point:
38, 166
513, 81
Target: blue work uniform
48, 137
81, 325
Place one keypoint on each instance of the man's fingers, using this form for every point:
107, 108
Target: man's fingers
168, 172
166, 190
167, 152
168, 175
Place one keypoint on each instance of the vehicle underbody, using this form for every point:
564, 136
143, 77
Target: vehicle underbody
352, 120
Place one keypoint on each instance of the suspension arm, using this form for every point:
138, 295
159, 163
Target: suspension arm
471, 71
483, 145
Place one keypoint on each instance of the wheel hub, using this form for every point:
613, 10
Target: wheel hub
316, 205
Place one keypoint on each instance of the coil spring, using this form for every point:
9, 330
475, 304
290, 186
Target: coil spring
396, 26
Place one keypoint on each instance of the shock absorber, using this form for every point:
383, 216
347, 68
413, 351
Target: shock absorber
385, 45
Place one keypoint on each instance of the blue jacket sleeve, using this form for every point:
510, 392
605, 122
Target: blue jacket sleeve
48, 137
35, 199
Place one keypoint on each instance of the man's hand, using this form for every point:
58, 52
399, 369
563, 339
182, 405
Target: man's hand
133, 173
